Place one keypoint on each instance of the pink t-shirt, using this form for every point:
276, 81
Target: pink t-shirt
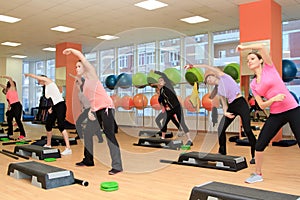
97, 96
270, 85
12, 96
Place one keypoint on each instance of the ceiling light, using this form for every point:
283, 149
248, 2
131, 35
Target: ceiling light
11, 44
18, 56
194, 19
64, 29
8, 19
150, 4
49, 49
108, 37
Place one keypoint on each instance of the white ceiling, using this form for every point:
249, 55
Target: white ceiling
93, 18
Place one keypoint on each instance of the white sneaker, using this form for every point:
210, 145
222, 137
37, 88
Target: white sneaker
254, 178
67, 151
48, 146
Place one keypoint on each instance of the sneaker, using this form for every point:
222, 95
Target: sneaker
21, 137
252, 161
47, 146
67, 151
254, 178
82, 163
114, 171
190, 143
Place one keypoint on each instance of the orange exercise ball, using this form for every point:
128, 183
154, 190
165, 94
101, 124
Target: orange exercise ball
188, 105
127, 102
154, 102
207, 102
140, 101
116, 99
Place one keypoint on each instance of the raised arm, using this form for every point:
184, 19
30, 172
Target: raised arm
88, 67
39, 78
3, 86
216, 70
261, 48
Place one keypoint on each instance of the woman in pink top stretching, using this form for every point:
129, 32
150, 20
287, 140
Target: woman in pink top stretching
101, 104
283, 107
15, 108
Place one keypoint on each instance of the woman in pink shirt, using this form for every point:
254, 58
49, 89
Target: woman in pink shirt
101, 104
15, 108
283, 107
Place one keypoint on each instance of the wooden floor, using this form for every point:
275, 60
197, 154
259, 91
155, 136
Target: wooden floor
144, 177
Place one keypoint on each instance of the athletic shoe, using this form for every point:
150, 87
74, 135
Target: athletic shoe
114, 171
82, 163
47, 146
67, 151
254, 178
21, 137
190, 143
252, 161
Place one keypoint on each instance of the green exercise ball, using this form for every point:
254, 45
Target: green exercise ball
139, 80
193, 75
152, 78
173, 74
233, 70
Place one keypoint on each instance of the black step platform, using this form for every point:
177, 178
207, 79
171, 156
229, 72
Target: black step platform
209, 160
233, 192
58, 140
151, 133
160, 143
37, 152
42, 175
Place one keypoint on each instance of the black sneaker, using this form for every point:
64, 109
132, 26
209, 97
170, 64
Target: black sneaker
190, 143
114, 171
82, 163
252, 161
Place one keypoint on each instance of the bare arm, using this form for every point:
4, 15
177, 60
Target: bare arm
88, 67
39, 78
3, 86
216, 70
264, 104
11, 81
261, 48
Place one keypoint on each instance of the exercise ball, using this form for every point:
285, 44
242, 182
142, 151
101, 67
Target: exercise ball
140, 101
127, 102
111, 81
295, 96
193, 75
207, 102
233, 70
154, 102
139, 80
124, 80
188, 105
116, 99
173, 74
152, 78
289, 70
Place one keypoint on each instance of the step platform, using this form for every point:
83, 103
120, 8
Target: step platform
160, 143
209, 160
58, 140
151, 133
234, 192
42, 175
37, 152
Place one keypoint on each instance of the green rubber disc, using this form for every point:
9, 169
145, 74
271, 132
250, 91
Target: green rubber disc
109, 186
4, 139
185, 147
50, 159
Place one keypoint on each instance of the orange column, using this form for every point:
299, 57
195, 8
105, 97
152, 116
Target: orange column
261, 20
68, 62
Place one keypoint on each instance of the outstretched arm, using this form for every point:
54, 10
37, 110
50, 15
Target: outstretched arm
216, 70
261, 48
3, 86
11, 81
88, 67
39, 78
264, 104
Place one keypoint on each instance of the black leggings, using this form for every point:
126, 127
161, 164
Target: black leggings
238, 107
15, 111
273, 125
179, 114
58, 112
161, 120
